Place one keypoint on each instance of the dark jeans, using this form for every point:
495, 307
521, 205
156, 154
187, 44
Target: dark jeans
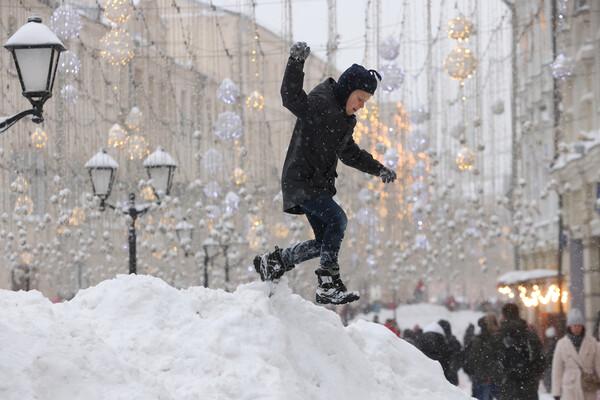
328, 222
484, 391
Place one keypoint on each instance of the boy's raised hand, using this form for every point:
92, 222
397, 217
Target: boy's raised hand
387, 175
299, 51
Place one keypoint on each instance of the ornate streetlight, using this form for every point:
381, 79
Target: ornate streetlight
35, 50
102, 169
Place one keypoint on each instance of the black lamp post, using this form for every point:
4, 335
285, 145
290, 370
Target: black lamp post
35, 50
102, 168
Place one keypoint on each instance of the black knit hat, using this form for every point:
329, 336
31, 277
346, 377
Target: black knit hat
354, 78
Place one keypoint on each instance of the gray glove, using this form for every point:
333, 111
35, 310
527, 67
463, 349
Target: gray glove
387, 175
299, 51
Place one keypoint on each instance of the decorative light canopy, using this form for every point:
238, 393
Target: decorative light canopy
117, 47
161, 168
460, 28
460, 63
36, 52
39, 138
102, 169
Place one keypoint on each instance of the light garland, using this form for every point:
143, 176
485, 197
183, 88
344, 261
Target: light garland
137, 147
117, 11
534, 297
117, 136
255, 101
465, 159
460, 28
39, 138
460, 63
117, 47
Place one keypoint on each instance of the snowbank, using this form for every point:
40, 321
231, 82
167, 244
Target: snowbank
423, 314
137, 338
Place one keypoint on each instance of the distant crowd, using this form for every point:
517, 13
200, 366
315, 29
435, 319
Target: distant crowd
506, 359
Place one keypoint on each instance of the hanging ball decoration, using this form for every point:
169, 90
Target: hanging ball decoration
39, 138
460, 63
70, 93
117, 136
390, 158
389, 48
498, 107
65, 22
117, 47
419, 115
212, 161
134, 119
228, 92
562, 67
137, 147
228, 126
212, 190
24, 205
239, 176
418, 141
255, 101
118, 11
69, 64
392, 77
460, 28
465, 159
19, 185
231, 202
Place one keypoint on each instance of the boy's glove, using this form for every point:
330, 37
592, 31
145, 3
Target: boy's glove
299, 51
387, 175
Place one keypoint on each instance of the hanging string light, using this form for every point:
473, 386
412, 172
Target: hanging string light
465, 159
255, 101
460, 63
117, 47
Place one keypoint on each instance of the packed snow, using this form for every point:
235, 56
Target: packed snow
136, 337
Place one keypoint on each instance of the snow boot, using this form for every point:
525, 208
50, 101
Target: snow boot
270, 266
332, 290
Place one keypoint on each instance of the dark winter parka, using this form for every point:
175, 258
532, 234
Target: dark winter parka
322, 135
435, 346
480, 358
519, 371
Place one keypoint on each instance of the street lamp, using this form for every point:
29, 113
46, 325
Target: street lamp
35, 50
102, 169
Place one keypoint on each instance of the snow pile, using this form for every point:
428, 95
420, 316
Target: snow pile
423, 314
137, 338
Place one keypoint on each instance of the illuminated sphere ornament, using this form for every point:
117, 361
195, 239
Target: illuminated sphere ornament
117, 11
562, 67
390, 158
117, 47
228, 126
39, 138
239, 176
255, 101
231, 202
392, 77
117, 136
465, 159
228, 92
212, 190
134, 119
389, 48
69, 64
460, 28
65, 22
212, 161
24, 205
70, 93
418, 141
460, 63
137, 147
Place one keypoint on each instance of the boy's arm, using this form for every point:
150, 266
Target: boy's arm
294, 98
355, 157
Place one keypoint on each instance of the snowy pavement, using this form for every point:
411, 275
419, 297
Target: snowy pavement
137, 338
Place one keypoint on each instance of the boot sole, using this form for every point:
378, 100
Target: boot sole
325, 300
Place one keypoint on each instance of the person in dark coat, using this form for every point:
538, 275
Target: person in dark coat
520, 358
322, 136
480, 359
455, 352
432, 342
550, 340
